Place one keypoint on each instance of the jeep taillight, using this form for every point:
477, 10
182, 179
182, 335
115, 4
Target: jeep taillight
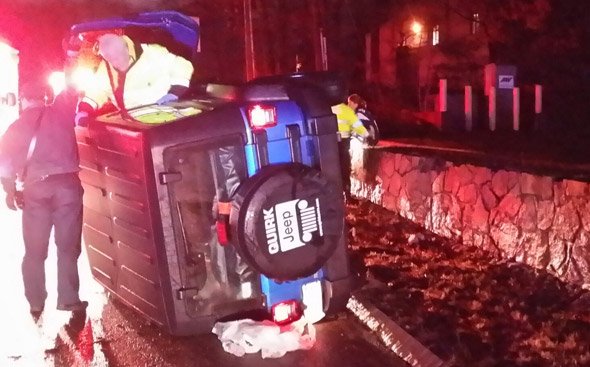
262, 117
222, 229
286, 312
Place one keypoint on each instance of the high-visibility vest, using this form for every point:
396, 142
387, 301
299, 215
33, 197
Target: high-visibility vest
348, 122
148, 79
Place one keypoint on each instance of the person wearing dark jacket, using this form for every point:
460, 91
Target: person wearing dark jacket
359, 105
39, 149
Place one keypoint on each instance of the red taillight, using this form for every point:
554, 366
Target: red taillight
222, 232
262, 117
286, 312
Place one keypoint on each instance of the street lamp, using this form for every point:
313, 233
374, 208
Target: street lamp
416, 27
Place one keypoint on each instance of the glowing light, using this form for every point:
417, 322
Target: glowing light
416, 27
262, 116
83, 78
286, 312
57, 81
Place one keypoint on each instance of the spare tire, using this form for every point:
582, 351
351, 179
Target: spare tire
287, 220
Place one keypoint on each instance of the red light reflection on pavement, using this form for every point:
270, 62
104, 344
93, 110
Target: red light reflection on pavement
55, 336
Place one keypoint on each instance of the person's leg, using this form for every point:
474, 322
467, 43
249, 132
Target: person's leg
344, 152
67, 219
37, 222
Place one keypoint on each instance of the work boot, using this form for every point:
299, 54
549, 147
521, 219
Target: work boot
78, 306
36, 312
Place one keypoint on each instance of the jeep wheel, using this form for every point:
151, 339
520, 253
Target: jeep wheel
287, 220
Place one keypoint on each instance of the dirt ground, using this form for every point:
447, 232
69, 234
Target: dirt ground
462, 303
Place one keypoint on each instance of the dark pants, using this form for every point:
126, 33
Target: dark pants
344, 152
54, 202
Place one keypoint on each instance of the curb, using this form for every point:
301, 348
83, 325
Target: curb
393, 336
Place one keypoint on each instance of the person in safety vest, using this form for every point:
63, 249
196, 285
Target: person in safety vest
132, 75
359, 105
348, 125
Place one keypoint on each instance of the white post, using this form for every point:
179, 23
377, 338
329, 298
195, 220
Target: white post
249, 41
492, 108
538, 105
468, 108
538, 99
368, 58
324, 48
442, 95
516, 108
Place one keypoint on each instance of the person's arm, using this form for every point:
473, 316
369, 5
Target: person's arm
360, 129
356, 124
363, 115
9, 150
11, 145
180, 72
65, 105
177, 70
98, 92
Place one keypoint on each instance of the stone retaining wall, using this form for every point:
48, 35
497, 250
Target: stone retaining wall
537, 220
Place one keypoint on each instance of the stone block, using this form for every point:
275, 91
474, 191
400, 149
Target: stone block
476, 217
467, 194
438, 184
395, 184
579, 267
559, 197
506, 237
541, 186
482, 175
490, 201
503, 182
387, 165
527, 215
533, 250
584, 210
559, 254
566, 222
390, 202
416, 181
506, 210
575, 188
403, 164
452, 180
446, 215
545, 214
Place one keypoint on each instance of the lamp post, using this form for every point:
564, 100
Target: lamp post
249, 41
417, 28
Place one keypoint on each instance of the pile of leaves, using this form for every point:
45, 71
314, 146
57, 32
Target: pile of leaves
463, 304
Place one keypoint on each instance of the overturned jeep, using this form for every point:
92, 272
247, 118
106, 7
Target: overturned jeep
226, 202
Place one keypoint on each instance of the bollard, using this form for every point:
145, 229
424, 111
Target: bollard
442, 95
538, 105
516, 109
468, 108
492, 108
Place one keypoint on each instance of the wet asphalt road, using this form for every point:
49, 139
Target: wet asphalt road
340, 342
111, 334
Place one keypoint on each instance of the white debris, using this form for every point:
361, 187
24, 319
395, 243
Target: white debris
247, 336
415, 238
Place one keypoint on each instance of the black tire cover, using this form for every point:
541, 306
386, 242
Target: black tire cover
287, 220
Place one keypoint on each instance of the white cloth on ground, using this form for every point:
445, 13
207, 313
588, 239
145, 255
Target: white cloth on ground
247, 336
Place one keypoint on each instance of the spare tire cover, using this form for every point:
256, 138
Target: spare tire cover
287, 220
